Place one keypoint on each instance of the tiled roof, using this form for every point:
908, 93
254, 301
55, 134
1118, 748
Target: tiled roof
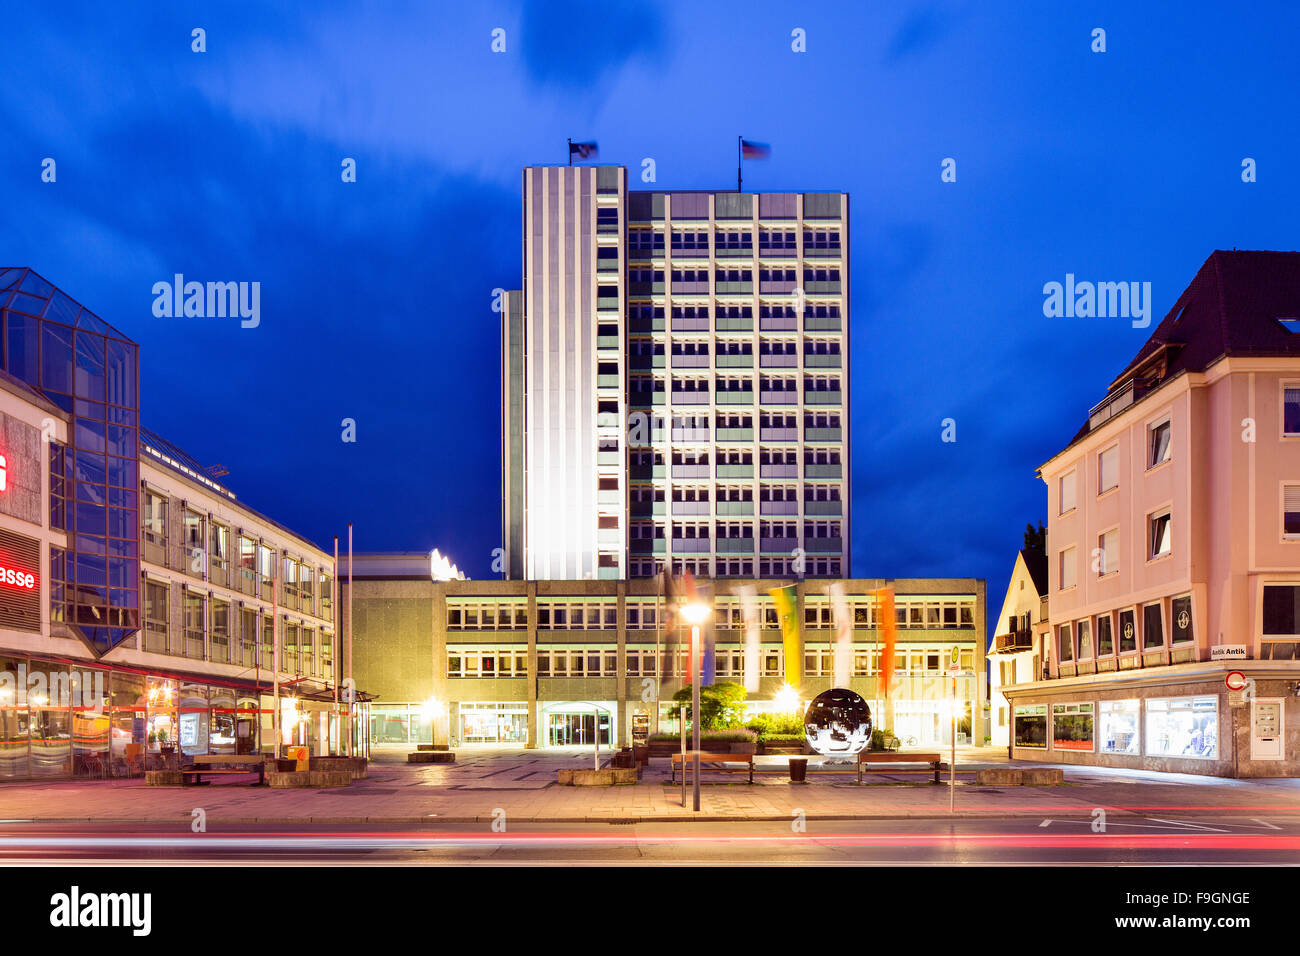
1232, 307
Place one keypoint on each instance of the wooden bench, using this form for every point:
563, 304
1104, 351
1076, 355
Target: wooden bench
710, 758
216, 765
867, 757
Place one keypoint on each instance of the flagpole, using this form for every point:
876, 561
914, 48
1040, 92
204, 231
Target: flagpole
570, 141
740, 153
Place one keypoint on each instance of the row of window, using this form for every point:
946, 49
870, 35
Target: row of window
645, 494
643, 613
639, 347
1074, 641
218, 631
645, 312
737, 567
1105, 557
729, 661
207, 553
731, 237
1175, 727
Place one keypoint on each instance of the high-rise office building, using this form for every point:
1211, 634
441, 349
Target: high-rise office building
675, 382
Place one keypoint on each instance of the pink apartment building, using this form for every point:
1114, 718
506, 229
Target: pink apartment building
1174, 546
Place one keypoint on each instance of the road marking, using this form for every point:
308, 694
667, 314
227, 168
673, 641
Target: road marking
1265, 823
1191, 826
1045, 823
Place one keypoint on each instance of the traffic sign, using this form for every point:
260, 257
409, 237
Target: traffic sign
1235, 680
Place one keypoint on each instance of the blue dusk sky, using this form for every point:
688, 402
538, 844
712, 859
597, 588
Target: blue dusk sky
376, 295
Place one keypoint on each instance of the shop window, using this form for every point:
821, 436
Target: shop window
1117, 726
1072, 727
1031, 726
1183, 727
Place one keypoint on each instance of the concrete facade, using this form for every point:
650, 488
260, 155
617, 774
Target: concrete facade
415, 641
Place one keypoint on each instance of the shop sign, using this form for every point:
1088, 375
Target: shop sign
1228, 652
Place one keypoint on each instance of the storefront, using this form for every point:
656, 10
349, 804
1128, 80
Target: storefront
1157, 721
60, 719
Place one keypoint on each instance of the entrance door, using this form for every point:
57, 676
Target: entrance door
576, 730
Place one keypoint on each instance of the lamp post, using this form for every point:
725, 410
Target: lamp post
695, 613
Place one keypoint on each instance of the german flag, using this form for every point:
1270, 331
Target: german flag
751, 150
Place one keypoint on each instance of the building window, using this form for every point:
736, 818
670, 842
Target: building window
1117, 727
1072, 727
1281, 635
1067, 492
1180, 619
1159, 445
155, 617
1105, 636
220, 546
1108, 553
1183, 727
1031, 726
1153, 634
1108, 470
155, 519
1083, 633
1067, 568
1127, 632
1291, 512
1291, 411
1065, 643
1159, 535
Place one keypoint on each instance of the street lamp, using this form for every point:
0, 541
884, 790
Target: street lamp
695, 614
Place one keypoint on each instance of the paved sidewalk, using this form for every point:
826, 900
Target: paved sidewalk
483, 783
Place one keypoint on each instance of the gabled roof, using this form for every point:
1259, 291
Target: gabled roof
1232, 307
1036, 563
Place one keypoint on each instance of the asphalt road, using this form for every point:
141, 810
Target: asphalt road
1162, 839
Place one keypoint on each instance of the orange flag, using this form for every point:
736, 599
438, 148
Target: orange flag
888, 624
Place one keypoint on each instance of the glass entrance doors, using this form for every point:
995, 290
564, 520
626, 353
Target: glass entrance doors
576, 730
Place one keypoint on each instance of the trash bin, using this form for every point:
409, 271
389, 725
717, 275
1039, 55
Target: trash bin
798, 769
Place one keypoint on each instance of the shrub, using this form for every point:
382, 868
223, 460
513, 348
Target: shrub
775, 724
721, 705
883, 740
780, 738
709, 736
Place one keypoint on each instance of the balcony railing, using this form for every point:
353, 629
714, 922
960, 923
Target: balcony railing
1016, 641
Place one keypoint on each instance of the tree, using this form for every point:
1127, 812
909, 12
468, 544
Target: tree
722, 705
1036, 540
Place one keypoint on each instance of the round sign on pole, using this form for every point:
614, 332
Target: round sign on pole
1235, 680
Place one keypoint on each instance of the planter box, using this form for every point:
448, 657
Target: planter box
162, 778
783, 746
1030, 777
318, 779
431, 756
609, 777
357, 766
